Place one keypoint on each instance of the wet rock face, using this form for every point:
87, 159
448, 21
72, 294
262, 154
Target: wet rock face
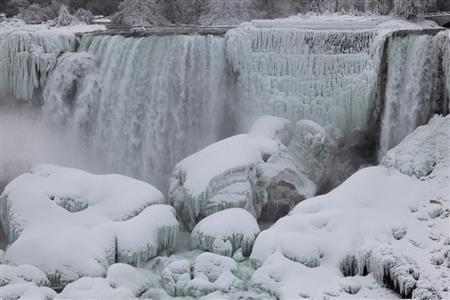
267, 172
110, 218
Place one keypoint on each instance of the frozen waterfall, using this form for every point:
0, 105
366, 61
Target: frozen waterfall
411, 88
308, 71
140, 105
26, 58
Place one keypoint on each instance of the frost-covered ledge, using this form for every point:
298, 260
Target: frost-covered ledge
29, 52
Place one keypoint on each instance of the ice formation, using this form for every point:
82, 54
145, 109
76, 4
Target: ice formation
380, 225
24, 282
301, 69
104, 219
209, 273
29, 53
256, 171
226, 232
140, 118
411, 87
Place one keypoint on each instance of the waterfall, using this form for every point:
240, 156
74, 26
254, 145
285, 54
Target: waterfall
140, 105
311, 70
411, 87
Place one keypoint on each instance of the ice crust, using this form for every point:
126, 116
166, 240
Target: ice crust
254, 172
226, 232
299, 70
208, 273
379, 225
30, 52
102, 219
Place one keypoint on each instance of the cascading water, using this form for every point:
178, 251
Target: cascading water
140, 105
411, 88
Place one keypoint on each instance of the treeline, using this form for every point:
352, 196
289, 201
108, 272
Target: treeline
207, 12
44, 10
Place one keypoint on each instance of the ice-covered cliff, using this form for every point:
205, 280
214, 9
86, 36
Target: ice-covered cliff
27, 57
309, 68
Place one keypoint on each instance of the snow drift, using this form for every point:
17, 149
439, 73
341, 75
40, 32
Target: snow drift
379, 224
76, 224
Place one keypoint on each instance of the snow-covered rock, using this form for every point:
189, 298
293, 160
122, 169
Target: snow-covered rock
26, 291
24, 282
273, 128
378, 226
256, 171
208, 273
231, 173
122, 282
72, 224
421, 151
225, 232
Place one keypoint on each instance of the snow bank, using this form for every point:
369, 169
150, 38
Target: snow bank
24, 282
379, 225
226, 232
254, 172
76, 224
421, 152
122, 282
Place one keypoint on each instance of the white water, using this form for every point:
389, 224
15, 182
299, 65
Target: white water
141, 105
412, 79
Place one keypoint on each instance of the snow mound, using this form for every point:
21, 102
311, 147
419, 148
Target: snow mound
378, 226
225, 232
273, 128
255, 171
421, 151
24, 282
122, 282
208, 273
100, 219
26, 291
236, 173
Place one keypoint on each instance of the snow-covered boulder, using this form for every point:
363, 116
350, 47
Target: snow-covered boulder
266, 172
225, 232
208, 273
122, 282
73, 224
26, 291
378, 226
273, 128
422, 150
24, 282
